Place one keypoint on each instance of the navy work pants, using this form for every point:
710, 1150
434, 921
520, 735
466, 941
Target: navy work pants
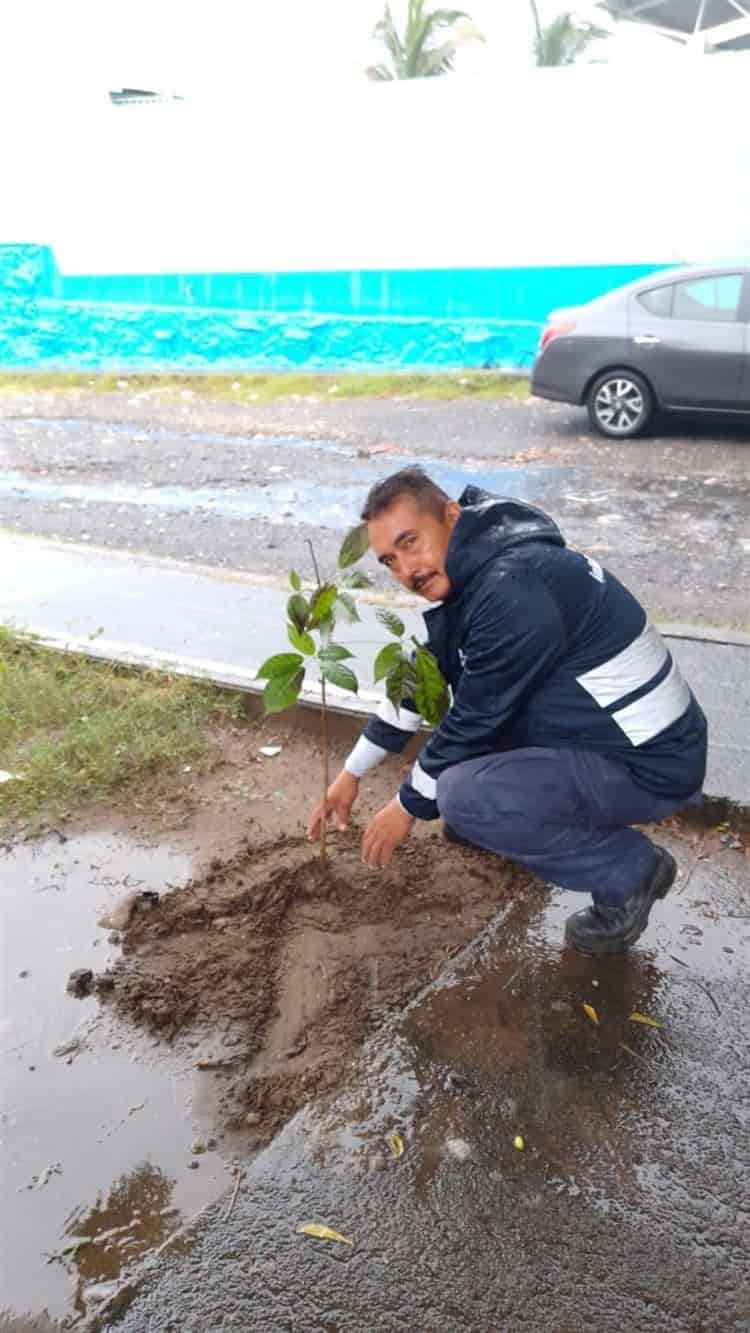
564, 814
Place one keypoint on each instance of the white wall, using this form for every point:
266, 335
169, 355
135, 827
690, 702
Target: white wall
574, 166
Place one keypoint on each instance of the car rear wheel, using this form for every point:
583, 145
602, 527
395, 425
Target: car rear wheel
620, 404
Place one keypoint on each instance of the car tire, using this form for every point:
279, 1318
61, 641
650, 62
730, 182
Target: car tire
620, 404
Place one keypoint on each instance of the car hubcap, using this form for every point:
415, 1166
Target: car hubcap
619, 405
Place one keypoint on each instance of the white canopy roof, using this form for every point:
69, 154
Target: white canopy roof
719, 24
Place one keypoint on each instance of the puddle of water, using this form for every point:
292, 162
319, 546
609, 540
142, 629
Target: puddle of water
278, 501
292, 498
501, 1047
94, 1152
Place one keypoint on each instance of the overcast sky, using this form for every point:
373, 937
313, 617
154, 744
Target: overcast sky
197, 47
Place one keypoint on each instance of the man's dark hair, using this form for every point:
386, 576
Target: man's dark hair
411, 481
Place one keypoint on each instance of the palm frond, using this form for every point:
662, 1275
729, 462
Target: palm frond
420, 53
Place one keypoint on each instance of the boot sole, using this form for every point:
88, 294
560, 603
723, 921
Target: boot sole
624, 942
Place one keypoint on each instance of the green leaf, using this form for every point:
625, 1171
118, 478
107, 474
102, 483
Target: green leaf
282, 692
391, 621
339, 675
355, 544
298, 611
431, 691
281, 664
333, 652
356, 579
396, 681
386, 660
294, 580
321, 603
345, 608
304, 643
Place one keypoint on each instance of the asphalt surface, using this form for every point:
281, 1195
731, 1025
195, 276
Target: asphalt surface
626, 1207
245, 487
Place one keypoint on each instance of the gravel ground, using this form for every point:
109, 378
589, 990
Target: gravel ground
245, 487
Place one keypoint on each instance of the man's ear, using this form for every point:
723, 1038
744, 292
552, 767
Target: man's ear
452, 512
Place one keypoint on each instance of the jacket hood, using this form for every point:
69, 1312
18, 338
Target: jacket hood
487, 527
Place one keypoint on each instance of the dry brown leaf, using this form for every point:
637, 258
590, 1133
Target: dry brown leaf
635, 1017
323, 1233
396, 1144
591, 1013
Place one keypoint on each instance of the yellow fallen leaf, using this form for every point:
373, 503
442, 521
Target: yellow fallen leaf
591, 1013
396, 1144
635, 1017
323, 1233
519, 1143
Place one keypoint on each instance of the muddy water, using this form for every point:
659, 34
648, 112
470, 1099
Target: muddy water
94, 1142
626, 1207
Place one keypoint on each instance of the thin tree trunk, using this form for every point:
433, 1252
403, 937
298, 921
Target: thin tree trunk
538, 26
323, 734
324, 745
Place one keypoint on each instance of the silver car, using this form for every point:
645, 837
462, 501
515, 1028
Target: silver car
678, 340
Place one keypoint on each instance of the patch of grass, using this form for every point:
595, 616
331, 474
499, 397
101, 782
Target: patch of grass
489, 385
76, 730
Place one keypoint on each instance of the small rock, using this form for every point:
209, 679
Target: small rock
24, 973
71, 1047
113, 937
193, 1165
252, 1118
270, 751
120, 915
80, 982
147, 900
211, 1145
458, 1148
98, 1292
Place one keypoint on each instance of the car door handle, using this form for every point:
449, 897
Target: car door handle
647, 340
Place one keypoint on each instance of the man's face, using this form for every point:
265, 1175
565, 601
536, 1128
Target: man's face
412, 544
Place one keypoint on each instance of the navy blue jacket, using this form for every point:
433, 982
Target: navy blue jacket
543, 647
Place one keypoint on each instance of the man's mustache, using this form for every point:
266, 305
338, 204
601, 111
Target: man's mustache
420, 579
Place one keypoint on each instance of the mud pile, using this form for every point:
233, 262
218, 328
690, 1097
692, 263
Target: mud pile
272, 967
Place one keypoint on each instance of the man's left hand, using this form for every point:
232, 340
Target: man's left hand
390, 827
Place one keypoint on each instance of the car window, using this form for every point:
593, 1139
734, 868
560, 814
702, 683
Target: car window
658, 301
708, 298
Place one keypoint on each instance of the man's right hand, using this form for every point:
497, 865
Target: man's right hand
340, 798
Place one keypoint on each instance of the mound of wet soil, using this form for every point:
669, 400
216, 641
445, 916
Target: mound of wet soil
272, 967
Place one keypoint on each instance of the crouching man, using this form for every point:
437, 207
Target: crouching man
569, 722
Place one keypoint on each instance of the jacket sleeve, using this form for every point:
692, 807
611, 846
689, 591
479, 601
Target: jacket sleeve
514, 638
387, 732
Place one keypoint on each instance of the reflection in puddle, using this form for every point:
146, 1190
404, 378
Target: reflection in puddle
84, 1102
136, 1216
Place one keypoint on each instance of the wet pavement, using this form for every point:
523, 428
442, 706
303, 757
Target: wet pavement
245, 487
224, 624
96, 1130
626, 1206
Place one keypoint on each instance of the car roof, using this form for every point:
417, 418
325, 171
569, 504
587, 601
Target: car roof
661, 278
687, 271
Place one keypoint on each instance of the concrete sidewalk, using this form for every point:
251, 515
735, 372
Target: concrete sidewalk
218, 624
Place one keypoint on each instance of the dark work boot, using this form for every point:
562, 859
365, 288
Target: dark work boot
602, 929
450, 835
